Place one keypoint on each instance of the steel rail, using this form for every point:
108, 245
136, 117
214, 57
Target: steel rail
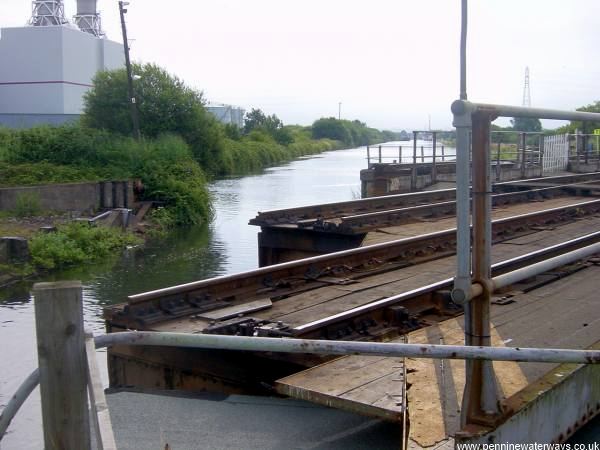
330, 210
499, 269
357, 222
146, 308
384, 250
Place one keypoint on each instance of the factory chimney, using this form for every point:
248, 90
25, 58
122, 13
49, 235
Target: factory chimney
87, 18
47, 13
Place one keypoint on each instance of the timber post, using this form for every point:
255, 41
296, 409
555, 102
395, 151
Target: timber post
62, 365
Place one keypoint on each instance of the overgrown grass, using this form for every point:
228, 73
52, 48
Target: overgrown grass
77, 243
167, 167
258, 150
70, 153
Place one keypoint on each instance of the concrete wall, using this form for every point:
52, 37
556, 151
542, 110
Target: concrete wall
46, 70
388, 179
79, 197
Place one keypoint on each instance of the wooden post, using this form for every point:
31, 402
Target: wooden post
62, 363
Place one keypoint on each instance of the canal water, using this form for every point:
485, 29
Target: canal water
225, 246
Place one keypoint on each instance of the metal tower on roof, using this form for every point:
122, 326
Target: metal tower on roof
526, 92
88, 18
47, 13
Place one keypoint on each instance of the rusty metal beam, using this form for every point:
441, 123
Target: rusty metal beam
481, 399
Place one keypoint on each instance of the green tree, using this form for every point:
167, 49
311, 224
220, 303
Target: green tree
526, 124
331, 128
166, 106
585, 127
256, 120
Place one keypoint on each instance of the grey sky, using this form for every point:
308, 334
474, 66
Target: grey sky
390, 63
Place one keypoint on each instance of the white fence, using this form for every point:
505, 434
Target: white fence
556, 153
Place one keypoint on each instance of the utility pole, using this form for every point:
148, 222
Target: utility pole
135, 120
340, 111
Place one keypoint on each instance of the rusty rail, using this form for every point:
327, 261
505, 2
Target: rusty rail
374, 204
149, 307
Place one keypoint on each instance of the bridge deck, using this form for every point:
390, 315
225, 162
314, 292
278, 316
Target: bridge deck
562, 314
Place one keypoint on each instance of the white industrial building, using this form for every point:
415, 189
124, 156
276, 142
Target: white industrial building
227, 114
46, 67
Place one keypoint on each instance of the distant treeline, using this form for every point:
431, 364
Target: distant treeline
182, 144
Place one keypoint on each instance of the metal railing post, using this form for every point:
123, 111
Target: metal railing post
541, 154
433, 168
415, 147
462, 281
523, 156
480, 399
598, 152
368, 157
413, 169
443, 154
63, 365
498, 168
380, 154
577, 150
399, 154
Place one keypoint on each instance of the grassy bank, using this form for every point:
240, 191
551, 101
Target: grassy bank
72, 244
183, 145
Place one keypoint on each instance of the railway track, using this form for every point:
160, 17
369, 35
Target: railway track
324, 215
145, 310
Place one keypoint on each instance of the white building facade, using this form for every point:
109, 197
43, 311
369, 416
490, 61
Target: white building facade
46, 70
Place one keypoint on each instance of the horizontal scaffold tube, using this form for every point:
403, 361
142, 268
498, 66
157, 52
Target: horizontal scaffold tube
312, 346
324, 347
549, 264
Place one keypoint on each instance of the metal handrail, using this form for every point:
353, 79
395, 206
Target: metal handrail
313, 346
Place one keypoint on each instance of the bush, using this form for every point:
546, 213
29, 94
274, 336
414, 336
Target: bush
166, 106
77, 243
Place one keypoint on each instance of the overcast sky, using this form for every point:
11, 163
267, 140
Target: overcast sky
390, 63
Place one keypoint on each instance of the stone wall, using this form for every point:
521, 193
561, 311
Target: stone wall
78, 197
